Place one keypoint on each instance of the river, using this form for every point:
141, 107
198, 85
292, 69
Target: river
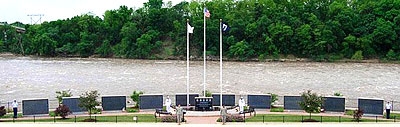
32, 77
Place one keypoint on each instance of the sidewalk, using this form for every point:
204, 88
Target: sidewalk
199, 125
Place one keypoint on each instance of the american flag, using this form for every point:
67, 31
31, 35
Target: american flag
207, 13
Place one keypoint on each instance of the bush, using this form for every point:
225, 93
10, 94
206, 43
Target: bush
208, 93
358, 56
232, 118
2, 111
391, 55
135, 97
357, 114
62, 111
52, 114
131, 110
338, 94
170, 118
280, 109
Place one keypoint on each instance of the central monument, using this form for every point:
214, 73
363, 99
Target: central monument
203, 103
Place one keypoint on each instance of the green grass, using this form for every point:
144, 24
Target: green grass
299, 118
349, 112
122, 118
279, 109
392, 115
10, 115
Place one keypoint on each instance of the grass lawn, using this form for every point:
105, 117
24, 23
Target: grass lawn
299, 118
71, 118
10, 115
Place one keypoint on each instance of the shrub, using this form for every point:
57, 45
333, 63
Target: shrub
131, 110
232, 118
2, 111
208, 93
391, 55
170, 118
357, 114
62, 111
358, 56
135, 97
337, 94
52, 114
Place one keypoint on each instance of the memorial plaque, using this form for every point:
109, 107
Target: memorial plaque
371, 106
203, 103
181, 98
151, 101
35, 107
113, 103
259, 101
72, 103
334, 104
292, 102
227, 99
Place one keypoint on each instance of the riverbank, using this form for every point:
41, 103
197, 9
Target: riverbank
214, 58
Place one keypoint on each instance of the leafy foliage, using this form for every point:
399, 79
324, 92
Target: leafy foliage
337, 94
357, 56
135, 97
311, 102
208, 93
274, 98
357, 114
352, 29
2, 111
61, 94
232, 118
88, 101
63, 111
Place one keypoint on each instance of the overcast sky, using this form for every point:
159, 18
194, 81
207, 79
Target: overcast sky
18, 10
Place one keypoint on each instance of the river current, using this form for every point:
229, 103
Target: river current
31, 77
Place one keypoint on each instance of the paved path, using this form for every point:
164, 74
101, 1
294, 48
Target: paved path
201, 120
199, 125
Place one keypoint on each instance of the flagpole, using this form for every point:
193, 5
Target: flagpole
204, 57
220, 60
187, 63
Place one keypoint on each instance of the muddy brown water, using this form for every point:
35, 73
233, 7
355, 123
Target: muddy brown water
30, 77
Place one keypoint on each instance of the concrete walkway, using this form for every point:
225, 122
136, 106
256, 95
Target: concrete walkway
199, 125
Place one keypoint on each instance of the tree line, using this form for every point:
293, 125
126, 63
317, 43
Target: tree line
261, 29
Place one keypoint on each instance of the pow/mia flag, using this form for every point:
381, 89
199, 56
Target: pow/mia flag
225, 27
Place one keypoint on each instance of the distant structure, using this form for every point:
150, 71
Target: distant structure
36, 20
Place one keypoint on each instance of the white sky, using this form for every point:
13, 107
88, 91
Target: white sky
18, 10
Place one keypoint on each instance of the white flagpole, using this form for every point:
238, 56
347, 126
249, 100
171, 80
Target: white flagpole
204, 56
220, 60
187, 63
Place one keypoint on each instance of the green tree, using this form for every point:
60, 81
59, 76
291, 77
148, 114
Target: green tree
240, 50
88, 101
311, 102
61, 94
135, 97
